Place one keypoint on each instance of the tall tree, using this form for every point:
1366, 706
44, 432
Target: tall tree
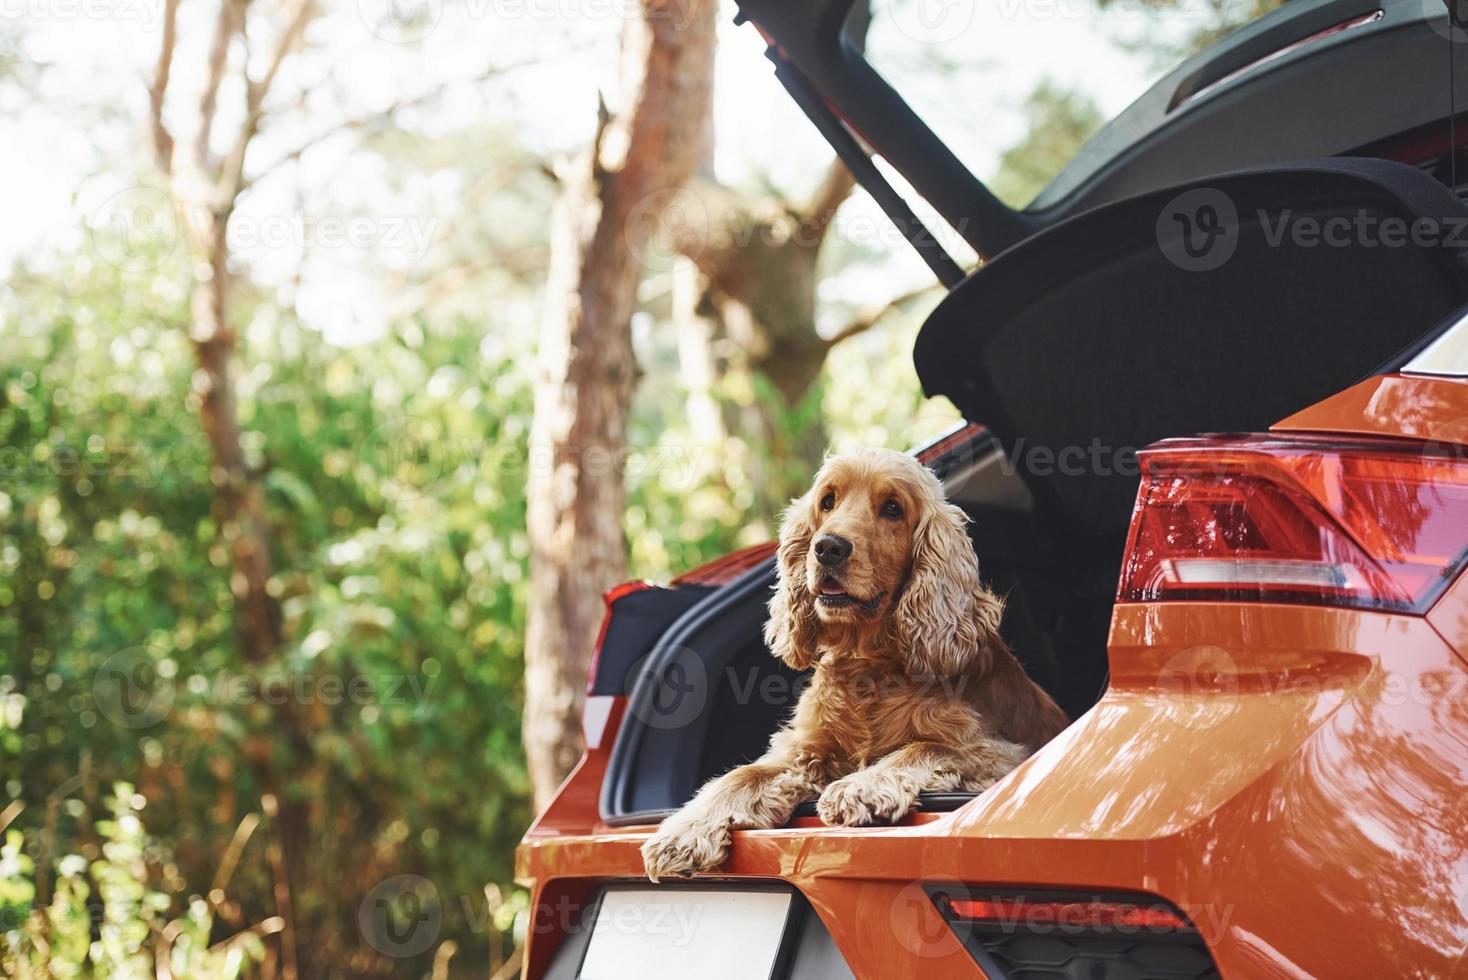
205, 187
610, 198
758, 258
758, 263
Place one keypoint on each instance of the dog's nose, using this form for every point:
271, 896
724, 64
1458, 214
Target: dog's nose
832, 550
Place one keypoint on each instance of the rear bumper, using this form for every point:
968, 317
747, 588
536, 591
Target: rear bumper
869, 888
1290, 777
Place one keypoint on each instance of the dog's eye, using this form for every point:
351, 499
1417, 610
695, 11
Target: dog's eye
828, 501
892, 509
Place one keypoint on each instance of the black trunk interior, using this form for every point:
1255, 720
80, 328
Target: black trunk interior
1056, 620
1075, 348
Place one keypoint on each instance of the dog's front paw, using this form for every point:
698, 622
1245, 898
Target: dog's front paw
681, 849
865, 798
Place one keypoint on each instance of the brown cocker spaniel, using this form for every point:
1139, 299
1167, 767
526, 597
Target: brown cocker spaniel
913, 689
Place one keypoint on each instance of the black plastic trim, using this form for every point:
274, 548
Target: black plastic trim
810, 35
1267, 36
1403, 357
617, 787
971, 932
1328, 98
927, 803
637, 620
860, 164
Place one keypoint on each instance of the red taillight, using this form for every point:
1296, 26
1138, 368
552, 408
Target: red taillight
1379, 525
610, 597
1099, 916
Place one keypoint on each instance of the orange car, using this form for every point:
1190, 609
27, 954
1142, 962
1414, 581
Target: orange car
1262, 635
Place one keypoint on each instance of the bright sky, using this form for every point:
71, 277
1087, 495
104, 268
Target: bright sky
66, 153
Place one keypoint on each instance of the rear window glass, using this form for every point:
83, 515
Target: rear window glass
1014, 87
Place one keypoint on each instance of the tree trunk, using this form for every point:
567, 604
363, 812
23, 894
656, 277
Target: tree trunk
239, 494
757, 260
205, 189
609, 198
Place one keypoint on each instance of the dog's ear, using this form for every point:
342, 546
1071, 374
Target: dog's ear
793, 629
946, 621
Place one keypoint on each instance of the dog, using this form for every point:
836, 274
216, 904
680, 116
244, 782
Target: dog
913, 689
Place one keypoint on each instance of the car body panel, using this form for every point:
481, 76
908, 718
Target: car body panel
1426, 407
1309, 762
1292, 777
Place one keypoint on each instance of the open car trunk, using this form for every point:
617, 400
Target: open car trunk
709, 694
1076, 348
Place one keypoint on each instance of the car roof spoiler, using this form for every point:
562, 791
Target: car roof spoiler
821, 64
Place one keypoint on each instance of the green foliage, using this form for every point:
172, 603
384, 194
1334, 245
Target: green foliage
102, 918
1060, 122
395, 474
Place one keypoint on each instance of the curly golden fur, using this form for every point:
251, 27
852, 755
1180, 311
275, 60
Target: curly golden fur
913, 690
